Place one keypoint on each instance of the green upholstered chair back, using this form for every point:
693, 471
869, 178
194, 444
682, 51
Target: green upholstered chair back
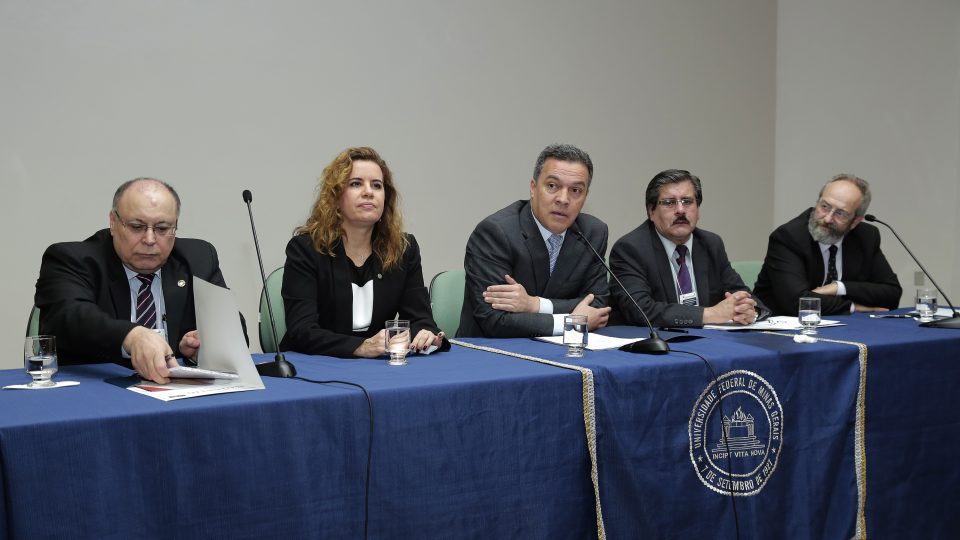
748, 270
269, 342
33, 322
446, 297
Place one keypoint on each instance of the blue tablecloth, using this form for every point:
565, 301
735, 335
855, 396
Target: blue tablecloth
471, 444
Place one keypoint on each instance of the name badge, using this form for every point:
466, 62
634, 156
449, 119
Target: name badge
689, 299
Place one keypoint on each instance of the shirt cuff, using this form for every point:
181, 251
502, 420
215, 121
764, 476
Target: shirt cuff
546, 306
841, 290
558, 323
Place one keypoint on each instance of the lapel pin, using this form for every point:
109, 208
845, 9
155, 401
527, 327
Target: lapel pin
379, 276
181, 283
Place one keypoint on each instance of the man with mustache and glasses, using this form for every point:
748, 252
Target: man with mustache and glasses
125, 295
827, 252
677, 273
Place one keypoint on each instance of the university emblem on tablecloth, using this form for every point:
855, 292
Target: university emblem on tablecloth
736, 432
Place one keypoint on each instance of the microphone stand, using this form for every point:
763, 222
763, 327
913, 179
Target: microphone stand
951, 322
279, 367
653, 344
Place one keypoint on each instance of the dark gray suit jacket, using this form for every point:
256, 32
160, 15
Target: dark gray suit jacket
84, 296
509, 242
641, 263
793, 267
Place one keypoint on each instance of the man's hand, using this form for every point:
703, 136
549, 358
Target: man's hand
150, 354
868, 309
511, 297
830, 289
596, 317
190, 344
373, 346
738, 307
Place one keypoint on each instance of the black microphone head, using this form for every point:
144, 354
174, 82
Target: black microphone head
247, 196
576, 229
870, 217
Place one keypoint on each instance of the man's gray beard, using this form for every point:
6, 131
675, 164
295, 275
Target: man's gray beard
824, 236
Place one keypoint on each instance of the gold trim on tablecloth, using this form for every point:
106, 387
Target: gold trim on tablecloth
859, 441
589, 416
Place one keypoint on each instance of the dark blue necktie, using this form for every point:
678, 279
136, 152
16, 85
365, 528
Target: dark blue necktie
832, 266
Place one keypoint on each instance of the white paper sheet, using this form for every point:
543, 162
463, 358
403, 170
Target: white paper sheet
779, 322
595, 342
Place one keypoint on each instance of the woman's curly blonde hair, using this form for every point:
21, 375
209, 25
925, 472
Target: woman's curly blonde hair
325, 225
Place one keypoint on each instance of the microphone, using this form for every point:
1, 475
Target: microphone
653, 344
279, 367
952, 322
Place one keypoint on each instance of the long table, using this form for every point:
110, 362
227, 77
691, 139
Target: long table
855, 434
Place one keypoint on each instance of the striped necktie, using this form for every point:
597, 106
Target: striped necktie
146, 309
555, 241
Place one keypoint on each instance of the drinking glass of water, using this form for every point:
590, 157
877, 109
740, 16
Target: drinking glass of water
397, 342
809, 316
926, 304
575, 334
40, 359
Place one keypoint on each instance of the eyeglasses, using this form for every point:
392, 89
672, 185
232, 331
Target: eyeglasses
140, 229
672, 203
841, 216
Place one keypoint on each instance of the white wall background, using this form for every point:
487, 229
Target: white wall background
216, 97
220, 96
872, 87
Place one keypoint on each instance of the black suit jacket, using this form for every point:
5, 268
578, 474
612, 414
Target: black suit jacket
641, 263
509, 242
793, 267
84, 296
318, 299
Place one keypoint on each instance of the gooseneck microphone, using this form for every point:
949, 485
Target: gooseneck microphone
952, 322
279, 367
653, 344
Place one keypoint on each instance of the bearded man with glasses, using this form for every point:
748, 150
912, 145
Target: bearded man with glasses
827, 252
679, 274
125, 294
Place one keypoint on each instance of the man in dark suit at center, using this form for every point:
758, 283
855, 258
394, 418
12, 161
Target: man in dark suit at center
112, 297
526, 266
677, 273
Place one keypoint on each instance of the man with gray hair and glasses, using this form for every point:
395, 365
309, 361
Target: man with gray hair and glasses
826, 252
125, 294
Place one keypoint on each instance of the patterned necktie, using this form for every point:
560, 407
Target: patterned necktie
832, 266
683, 275
146, 309
555, 241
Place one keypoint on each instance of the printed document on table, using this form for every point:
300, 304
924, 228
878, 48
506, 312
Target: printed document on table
223, 349
595, 342
779, 322
188, 388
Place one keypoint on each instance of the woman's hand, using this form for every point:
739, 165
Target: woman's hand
424, 339
373, 346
